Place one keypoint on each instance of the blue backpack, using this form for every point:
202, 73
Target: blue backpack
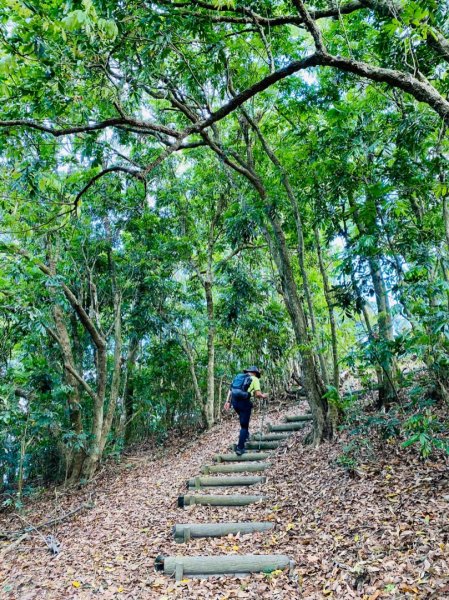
240, 385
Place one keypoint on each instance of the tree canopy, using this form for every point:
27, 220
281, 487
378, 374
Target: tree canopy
190, 187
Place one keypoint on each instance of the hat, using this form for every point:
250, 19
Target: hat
253, 369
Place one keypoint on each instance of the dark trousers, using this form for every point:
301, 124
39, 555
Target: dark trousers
243, 409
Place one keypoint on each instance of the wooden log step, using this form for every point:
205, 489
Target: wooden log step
233, 564
261, 445
183, 533
252, 448
298, 418
222, 500
198, 482
271, 437
235, 468
287, 427
250, 456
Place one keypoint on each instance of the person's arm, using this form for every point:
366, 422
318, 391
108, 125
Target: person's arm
255, 388
227, 405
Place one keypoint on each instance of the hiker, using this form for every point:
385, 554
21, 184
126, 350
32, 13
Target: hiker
244, 386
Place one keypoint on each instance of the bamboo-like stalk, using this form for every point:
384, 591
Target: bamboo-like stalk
298, 418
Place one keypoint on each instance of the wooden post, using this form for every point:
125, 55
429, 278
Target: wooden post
223, 500
198, 482
235, 468
244, 458
183, 533
233, 564
179, 571
287, 427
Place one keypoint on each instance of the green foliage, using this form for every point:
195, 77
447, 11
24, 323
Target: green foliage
364, 165
424, 430
356, 452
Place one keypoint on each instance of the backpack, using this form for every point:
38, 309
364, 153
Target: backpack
240, 385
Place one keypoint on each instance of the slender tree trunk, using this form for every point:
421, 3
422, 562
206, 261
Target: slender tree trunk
128, 389
330, 308
75, 456
198, 395
73, 396
116, 373
210, 350
387, 391
369, 329
219, 399
305, 280
285, 179
323, 415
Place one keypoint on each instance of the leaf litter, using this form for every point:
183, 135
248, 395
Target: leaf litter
381, 534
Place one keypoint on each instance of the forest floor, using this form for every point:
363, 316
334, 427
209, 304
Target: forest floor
381, 533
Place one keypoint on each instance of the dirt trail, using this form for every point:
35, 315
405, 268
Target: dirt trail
383, 534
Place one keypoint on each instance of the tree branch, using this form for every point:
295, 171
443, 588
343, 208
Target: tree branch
115, 169
310, 25
249, 17
81, 381
420, 89
114, 122
86, 321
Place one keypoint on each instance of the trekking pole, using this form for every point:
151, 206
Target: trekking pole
262, 409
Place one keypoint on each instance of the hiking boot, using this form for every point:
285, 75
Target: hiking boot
240, 451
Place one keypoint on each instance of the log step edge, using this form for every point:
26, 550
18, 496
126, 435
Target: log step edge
184, 532
298, 418
198, 482
250, 456
233, 564
219, 500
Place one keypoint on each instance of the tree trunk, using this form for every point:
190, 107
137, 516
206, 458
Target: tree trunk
330, 308
128, 391
299, 230
361, 302
198, 396
323, 417
76, 455
387, 391
73, 397
116, 373
305, 279
209, 409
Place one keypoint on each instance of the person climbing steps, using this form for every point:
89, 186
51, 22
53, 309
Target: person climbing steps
244, 387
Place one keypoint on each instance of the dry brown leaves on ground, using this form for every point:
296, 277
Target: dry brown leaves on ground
381, 535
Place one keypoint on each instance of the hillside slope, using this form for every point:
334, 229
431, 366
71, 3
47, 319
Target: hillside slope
382, 534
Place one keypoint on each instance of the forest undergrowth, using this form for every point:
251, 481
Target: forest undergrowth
375, 529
